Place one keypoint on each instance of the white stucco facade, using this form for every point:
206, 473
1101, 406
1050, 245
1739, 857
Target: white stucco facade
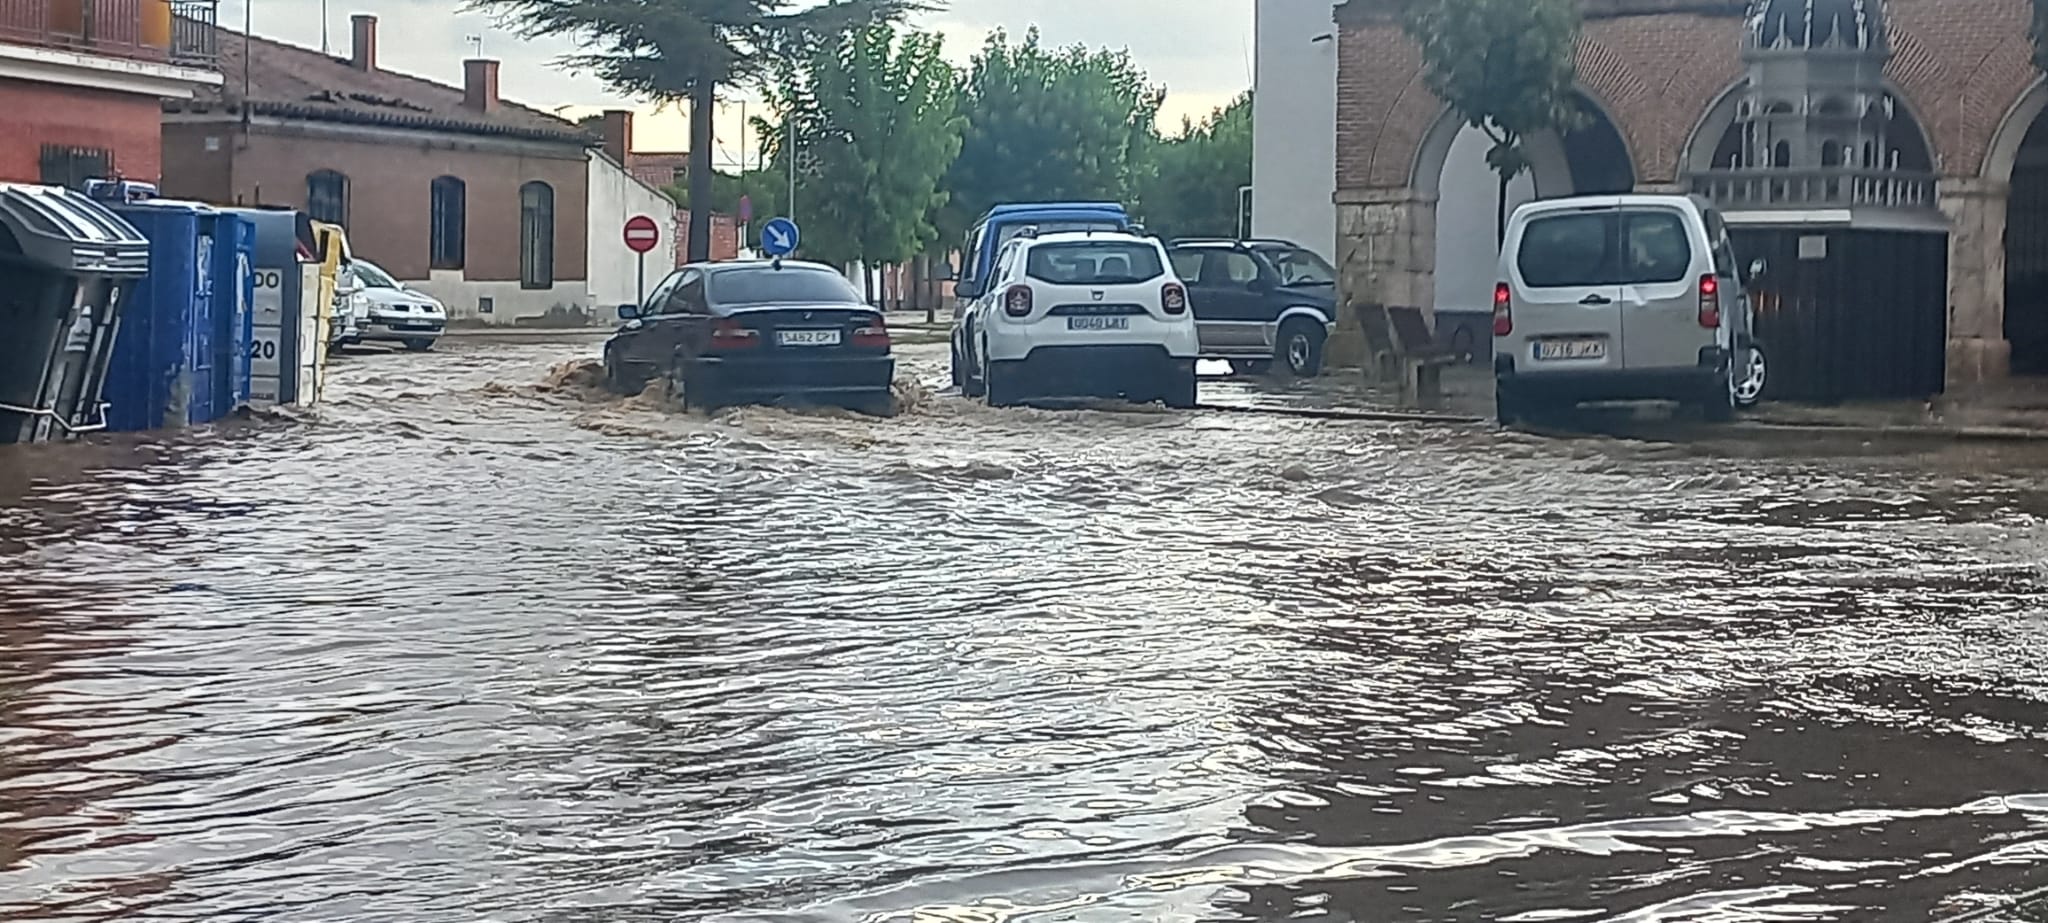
615, 195
1467, 258
1294, 123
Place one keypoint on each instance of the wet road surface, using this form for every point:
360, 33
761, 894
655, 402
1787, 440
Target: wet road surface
476, 643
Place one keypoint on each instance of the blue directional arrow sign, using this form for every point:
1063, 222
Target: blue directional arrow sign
779, 237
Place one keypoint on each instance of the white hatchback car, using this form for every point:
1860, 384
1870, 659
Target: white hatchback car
1079, 314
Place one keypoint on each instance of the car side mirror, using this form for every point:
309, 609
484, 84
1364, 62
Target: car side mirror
944, 273
629, 312
1758, 268
964, 289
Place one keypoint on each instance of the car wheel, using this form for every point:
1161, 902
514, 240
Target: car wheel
1749, 386
419, 344
959, 368
1507, 406
1719, 405
1250, 366
1181, 389
1301, 348
877, 405
698, 394
1003, 383
972, 380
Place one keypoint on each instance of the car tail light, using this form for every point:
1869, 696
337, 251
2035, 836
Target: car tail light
872, 332
1174, 298
1017, 301
1503, 309
1710, 302
729, 334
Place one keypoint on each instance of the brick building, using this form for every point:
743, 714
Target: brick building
81, 81
1665, 83
479, 201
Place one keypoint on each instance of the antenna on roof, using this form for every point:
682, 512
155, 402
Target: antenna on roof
476, 44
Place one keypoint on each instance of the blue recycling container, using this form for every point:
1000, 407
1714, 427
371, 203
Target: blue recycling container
234, 293
166, 351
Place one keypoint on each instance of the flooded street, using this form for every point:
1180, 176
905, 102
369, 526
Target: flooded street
474, 642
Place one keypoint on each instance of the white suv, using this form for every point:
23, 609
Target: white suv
1079, 314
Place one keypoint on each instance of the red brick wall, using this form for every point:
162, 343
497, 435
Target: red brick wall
34, 114
1960, 65
725, 237
389, 217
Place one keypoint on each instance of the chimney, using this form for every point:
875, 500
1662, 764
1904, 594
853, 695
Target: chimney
618, 133
480, 85
362, 53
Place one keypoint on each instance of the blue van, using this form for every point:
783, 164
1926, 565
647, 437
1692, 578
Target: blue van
1003, 223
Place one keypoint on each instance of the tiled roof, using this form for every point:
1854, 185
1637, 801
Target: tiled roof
292, 82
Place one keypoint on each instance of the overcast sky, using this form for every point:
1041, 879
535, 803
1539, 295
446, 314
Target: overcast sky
1199, 49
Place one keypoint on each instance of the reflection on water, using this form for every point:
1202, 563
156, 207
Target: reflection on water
477, 642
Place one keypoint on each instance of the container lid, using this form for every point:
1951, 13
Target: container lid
68, 232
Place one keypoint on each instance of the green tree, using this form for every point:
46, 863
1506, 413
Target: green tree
1505, 66
1192, 186
878, 115
674, 51
1049, 125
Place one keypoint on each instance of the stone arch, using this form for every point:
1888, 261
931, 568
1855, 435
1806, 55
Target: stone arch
1706, 145
2004, 149
1550, 162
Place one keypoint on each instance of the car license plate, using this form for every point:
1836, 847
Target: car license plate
1098, 323
808, 338
1571, 349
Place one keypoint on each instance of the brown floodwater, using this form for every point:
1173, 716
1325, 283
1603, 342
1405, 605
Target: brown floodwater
474, 642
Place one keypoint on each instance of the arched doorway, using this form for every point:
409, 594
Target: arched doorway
2026, 252
1592, 158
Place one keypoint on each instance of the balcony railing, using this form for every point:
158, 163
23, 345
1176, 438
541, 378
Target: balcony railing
180, 31
1837, 187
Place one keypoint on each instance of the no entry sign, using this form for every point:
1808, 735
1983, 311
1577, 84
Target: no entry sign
642, 234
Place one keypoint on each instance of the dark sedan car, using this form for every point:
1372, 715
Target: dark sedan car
754, 332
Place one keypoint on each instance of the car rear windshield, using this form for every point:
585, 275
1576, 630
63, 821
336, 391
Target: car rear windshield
1604, 248
788, 285
1093, 262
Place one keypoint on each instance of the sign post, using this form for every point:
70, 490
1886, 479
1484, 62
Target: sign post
642, 234
746, 215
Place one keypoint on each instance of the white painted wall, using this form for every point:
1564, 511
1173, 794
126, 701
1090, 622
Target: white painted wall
1294, 123
615, 196
1466, 257
509, 303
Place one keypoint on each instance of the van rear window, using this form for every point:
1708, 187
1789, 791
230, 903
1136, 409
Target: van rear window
1605, 248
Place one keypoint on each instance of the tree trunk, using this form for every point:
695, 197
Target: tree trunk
920, 287
1500, 215
703, 105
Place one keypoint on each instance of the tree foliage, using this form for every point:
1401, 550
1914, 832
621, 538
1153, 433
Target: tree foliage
878, 117
685, 50
1049, 125
1191, 186
1505, 66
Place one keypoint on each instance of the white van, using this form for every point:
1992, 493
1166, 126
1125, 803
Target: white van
1615, 298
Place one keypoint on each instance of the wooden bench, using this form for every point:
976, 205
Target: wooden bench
1418, 357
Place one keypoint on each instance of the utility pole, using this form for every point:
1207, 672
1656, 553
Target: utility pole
789, 142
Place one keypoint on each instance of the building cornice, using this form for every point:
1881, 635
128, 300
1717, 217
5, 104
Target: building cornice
65, 67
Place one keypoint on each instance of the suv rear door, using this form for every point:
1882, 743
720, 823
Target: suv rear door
1566, 306
1660, 289
1229, 301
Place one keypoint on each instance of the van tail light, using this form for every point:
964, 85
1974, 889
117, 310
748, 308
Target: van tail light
1503, 310
873, 333
1174, 298
1017, 301
727, 333
1710, 302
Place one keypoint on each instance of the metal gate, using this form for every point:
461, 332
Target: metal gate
1849, 314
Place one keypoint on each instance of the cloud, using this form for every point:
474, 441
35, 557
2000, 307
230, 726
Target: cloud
1199, 49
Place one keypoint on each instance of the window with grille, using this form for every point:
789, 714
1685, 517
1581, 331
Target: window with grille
63, 165
449, 205
327, 197
536, 235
